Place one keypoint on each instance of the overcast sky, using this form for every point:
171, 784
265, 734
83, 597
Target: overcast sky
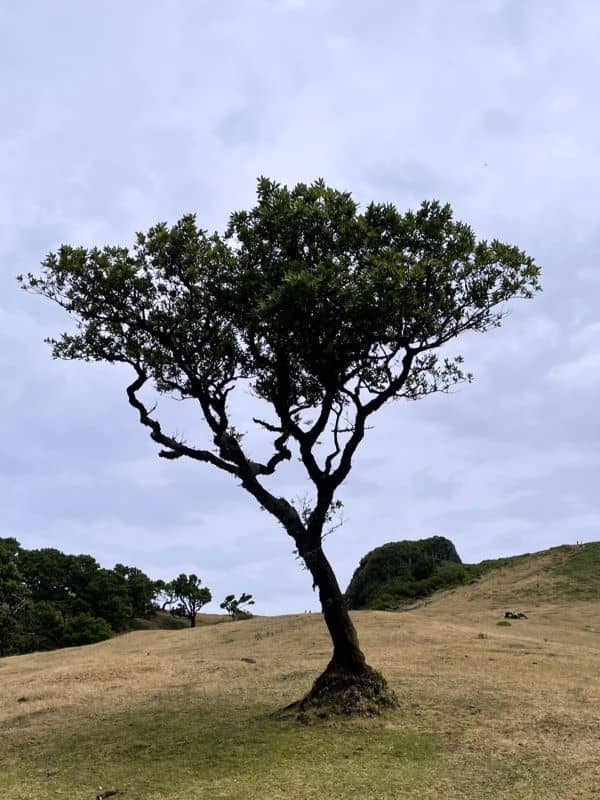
116, 115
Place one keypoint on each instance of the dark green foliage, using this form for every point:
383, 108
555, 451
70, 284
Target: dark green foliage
232, 605
76, 585
57, 578
85, 629
14, 599
142, 590
43, 626
41, 597
46, 574
301, 275
325, 311
81, 570
187, 596
9, 548
50, 599
107, 596
400, 572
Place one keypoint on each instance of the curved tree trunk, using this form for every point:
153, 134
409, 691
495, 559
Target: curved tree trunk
347, 657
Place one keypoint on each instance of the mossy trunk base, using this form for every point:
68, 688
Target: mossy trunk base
337, 693
348, 685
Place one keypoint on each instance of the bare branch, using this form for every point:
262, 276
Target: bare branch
267, 425
336, 441
176, 449
362, 412
282, 454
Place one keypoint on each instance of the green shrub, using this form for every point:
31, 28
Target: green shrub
504, 623
44, 626
85, 629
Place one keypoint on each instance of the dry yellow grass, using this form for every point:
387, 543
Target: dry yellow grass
486, 711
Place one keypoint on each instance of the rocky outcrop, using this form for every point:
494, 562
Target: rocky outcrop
400, 572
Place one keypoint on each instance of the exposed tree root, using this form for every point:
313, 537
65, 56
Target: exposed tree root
342, 693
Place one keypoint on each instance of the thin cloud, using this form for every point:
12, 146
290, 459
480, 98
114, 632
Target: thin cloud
120, 117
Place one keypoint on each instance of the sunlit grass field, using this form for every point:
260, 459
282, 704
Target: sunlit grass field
486, 711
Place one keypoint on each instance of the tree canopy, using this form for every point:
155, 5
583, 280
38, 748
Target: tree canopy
318, 307
187, 596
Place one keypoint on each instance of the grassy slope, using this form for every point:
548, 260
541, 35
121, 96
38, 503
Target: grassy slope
163, 621
486, 711
559, 573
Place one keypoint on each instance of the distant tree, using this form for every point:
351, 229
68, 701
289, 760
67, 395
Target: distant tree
164, 597
43, 591
232, 605
85, 629
187, 596
142, 590
324, 313
14, 599
107, 596
12, 632
10, 548
43, 627
80, 571
76, 585
46, 573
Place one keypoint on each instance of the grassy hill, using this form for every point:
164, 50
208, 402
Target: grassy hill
399, 574
560, 573
487, 712
164, 621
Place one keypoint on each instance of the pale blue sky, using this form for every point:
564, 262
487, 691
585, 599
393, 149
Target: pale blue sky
117, 115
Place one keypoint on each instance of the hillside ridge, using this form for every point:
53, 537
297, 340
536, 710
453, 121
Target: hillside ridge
386, 580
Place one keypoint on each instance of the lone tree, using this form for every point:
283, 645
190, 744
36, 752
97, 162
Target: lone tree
232, 605
188, 597
323, 312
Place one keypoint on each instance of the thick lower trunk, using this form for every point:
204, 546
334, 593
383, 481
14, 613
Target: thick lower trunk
347, 657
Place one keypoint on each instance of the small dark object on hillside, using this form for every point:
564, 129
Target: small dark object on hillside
106, 793
248, 660
515, 615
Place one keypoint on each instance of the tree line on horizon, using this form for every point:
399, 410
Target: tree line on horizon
50, 599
